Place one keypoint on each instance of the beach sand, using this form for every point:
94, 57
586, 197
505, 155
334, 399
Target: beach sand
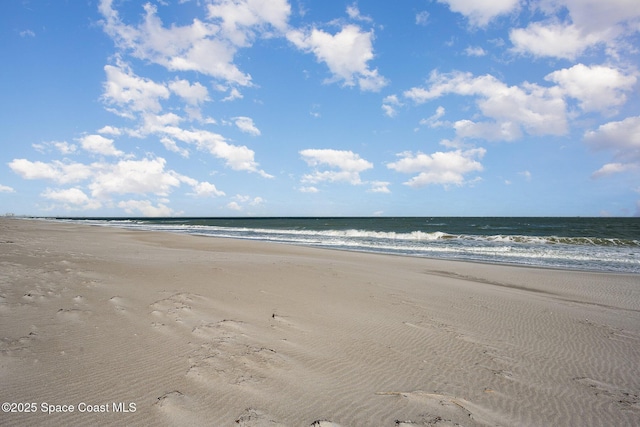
147, 328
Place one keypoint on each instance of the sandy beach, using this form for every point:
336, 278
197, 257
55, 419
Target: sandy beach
102, 326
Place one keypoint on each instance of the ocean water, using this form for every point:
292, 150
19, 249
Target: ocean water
594, 244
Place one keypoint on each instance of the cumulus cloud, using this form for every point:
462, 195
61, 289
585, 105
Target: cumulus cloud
6, 189
193, 94
62, 146
623, 139
475, 51
556, 40
234, 206
133, 176
240, 201
201, 189
242, 20
236, 157
98, 144
379, 187
106, 181
480, 13
199, 47
444, 168
60, 172
389, 104
110, 130
308, 189
570, 27
434, 120
146, 208
245, 124
346, 53
131, 94
72, 198
597, 88
172, 146
344, 166
206, 189
354, 13
531, 108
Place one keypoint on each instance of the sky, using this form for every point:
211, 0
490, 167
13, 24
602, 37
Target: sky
320, 108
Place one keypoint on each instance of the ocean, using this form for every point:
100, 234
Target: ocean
591, 244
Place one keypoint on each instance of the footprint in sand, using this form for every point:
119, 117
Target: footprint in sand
73, 314
324, 423
118, 303
232, 361
178, 409
624, 399
443, 410
179, 308
18, 346
256, 418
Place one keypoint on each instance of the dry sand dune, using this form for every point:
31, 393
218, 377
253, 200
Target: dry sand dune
139, 328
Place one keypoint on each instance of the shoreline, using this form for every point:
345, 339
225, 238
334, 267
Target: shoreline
321, 247
240, 332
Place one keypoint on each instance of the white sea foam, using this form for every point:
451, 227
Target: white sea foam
608, 254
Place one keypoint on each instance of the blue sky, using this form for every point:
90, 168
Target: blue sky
320, 108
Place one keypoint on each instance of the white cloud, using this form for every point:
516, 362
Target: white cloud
529, 107
389, 104
379, 187
193, 94
206, 189
196, 47
146, 208
236, 157
27, 33
573, 26
72, 198
256, 201
597, 88
6, 189
240, 199
133, 177
110, 130
621, 137
100, 145
108, 180
242, 18
130, 93
475, 51
234, 94
481, 12
57, 171
309, 189
552, 39
245, 124
444, 168
389, 111
349, 165
422, 18
354, 13
62, 146
434, 120
614, 168
346, 53
171, 145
